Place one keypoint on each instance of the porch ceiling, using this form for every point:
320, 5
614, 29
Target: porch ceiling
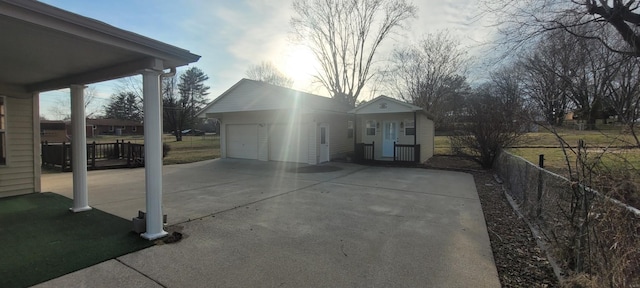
46, 48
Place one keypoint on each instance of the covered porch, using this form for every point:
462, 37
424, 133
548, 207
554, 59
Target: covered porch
53, 49
388, 130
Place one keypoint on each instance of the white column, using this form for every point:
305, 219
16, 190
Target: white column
153, 153
79, 150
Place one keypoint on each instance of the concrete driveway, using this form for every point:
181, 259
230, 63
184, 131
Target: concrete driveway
261, 224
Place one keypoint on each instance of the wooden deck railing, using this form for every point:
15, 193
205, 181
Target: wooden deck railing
99, 155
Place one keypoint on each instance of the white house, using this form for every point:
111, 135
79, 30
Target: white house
45, 48
391, 130
272, 123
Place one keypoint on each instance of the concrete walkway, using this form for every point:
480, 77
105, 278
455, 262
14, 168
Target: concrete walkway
260, 224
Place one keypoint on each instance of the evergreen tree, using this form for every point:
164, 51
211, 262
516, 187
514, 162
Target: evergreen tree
180, 112
125, 106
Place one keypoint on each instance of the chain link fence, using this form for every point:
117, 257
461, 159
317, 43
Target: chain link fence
593, 238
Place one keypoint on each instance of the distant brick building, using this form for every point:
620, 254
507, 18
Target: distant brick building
97, 127
53, 131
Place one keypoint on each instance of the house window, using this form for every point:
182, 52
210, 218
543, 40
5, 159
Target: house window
371, 127
409, 127
111, 128
349, 129
3, 132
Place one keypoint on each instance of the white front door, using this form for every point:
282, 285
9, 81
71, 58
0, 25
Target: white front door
389, 136
324, 143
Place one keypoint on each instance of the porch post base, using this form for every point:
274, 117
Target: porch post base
80, 209
155, 236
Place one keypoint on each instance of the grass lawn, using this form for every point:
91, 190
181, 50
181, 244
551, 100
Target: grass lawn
546, 143
41, 239
190, 149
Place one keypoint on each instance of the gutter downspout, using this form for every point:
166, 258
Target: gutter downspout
172, 71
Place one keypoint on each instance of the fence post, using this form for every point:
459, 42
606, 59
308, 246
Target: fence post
394, 151
63, 163
93, 154
540, 185
43, 153
129, 152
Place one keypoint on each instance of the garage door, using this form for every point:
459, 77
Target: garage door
242, 141
287, 144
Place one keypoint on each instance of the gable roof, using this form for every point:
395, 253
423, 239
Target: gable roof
251, 95
385, 104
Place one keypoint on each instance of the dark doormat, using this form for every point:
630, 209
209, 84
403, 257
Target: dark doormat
315, 169
40, 239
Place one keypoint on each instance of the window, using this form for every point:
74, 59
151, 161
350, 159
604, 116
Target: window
371, 128
3, 132
134, 128
409, 127
323, 135
111, 128
349, 129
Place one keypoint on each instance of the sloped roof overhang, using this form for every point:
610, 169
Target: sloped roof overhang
47, 48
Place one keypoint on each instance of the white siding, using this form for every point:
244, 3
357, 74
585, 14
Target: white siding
339, 143
426, 137
18, 175
305, 136
288, 142
380, 118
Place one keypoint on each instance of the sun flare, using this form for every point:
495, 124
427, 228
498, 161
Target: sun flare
300, 64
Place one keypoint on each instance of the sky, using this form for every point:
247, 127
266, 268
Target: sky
233, 35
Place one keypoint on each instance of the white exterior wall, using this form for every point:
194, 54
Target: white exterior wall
339, 143
264, 120
21, 174
380, 118
314, 143
426, 137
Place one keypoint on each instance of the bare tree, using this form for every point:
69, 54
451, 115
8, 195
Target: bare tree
520, 21
624, 94
267, 72
543, 70
494, 120
344, 36
429, 75
62, 107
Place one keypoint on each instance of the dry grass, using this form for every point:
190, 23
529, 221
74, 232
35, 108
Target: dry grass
190, 149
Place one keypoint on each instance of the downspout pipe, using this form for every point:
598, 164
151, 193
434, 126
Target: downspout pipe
172, 72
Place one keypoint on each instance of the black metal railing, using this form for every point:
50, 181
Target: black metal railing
406, 153
364, 152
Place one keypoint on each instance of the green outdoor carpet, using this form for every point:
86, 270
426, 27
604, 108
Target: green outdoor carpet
40, 239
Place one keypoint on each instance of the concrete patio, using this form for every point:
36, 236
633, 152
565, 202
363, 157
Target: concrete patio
260, 224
